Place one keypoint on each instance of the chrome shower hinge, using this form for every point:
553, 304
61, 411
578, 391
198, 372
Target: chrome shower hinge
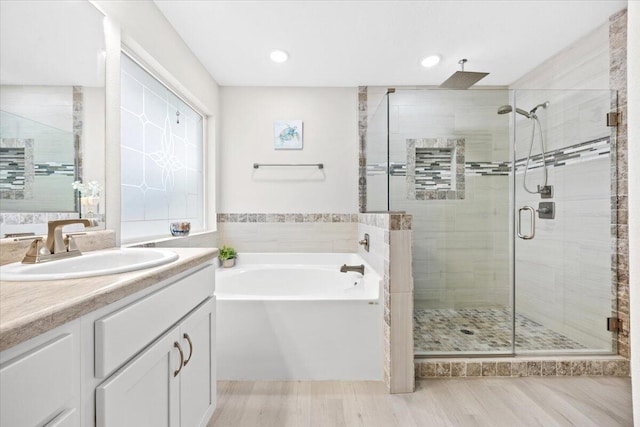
613, 119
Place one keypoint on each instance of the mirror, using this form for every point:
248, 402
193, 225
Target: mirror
52, 102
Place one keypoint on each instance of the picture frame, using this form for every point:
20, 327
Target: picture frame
287, 135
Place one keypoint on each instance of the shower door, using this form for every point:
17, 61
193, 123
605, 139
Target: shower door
449, 167
563, 240
499, 270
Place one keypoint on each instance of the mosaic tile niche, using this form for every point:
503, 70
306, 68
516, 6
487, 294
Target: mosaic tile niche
16, 168
435, 168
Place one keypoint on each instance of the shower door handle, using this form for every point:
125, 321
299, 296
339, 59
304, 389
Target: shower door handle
532, 230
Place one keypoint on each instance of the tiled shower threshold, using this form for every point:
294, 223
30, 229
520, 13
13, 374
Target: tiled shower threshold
521, 366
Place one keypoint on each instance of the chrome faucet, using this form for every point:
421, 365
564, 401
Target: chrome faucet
55, 247
356, 268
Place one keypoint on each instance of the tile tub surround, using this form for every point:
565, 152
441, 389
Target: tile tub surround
522, 367
289, 232
13, 250
390, 256
28, 309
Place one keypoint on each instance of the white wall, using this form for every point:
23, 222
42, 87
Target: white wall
583, 65
633, 105
148, 35
330, 124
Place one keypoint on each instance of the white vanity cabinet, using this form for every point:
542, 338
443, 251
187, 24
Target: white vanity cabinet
171, 383
40, 384
144, 360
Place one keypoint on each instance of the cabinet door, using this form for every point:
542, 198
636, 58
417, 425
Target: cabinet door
197, 379
145, 392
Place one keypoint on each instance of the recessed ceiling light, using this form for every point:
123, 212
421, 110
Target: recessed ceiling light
279, 56
430, 61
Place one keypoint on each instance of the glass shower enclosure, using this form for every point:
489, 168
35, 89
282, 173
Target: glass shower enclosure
500, 268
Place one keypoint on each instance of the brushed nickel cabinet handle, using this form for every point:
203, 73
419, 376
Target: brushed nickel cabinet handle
177, 371
186, 337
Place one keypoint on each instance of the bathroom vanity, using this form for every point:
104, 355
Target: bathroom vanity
134, 348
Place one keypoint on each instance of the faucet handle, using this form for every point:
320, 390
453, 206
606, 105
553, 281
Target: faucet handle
37, 249
70, 243
365, 242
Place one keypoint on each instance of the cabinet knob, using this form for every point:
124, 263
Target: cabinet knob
186, 337
177, 371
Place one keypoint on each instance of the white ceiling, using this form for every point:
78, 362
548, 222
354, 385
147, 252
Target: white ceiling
351, 43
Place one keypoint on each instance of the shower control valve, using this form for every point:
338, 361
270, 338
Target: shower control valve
546, 210
546, 191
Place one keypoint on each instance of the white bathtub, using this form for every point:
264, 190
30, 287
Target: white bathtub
296, 317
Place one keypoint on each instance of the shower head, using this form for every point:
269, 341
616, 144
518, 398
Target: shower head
463, 79
506, 109
543, 105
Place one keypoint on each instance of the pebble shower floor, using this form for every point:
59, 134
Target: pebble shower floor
480, 330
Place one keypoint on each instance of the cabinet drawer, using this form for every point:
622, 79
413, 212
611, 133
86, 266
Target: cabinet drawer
120, 335
36, 386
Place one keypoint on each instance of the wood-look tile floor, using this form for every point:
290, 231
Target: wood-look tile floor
527, 401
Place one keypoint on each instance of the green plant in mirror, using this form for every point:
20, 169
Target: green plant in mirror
227, 252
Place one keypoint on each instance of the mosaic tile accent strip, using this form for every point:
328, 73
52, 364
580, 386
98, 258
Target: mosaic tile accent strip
430, 177
16, 169
619, 178
53, 168
12, 169
454, 330
397, 169
433, 169
576, 153
487, 168
521, 367
286, 217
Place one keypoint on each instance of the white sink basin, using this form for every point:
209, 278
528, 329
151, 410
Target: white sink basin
90, 264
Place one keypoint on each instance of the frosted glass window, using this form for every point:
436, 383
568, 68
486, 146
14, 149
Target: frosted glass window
162, 157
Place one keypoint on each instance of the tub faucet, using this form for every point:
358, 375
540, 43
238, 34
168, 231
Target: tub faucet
356, 268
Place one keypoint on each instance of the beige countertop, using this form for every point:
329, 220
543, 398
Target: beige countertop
28, 309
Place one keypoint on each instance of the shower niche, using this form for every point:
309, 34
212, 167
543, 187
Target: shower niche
435, 169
